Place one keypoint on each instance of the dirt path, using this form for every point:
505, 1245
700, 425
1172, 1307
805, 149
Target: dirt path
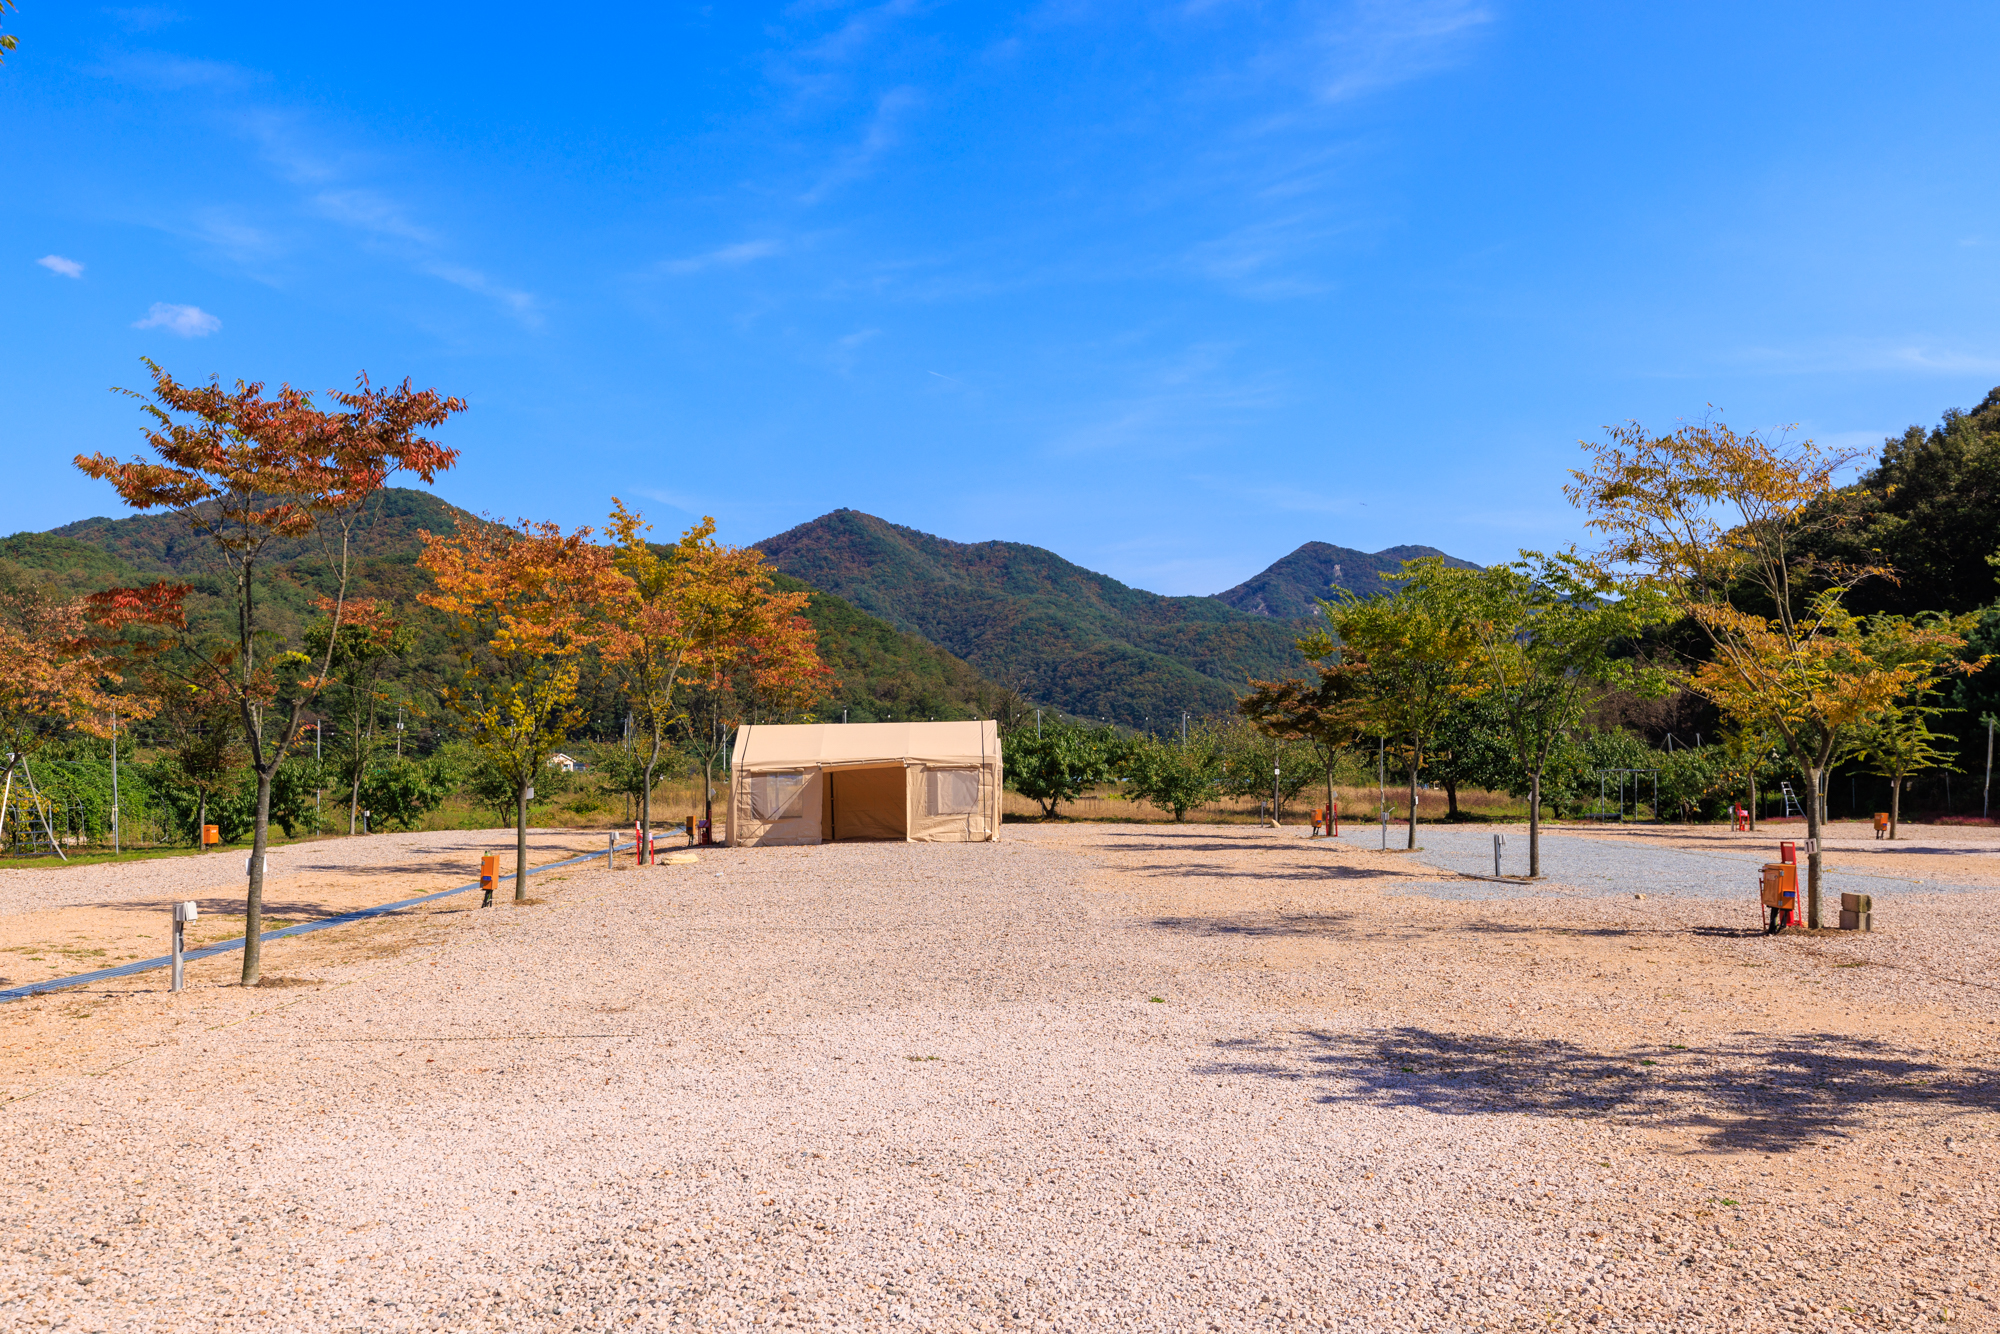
1089, 1078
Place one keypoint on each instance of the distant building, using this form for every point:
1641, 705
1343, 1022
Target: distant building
569, 764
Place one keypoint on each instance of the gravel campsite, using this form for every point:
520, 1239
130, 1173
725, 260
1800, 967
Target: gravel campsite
1089, 1077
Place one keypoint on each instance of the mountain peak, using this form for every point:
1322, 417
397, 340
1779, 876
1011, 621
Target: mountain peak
1292, 586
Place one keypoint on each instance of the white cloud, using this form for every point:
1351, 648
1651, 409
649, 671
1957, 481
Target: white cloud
727, 257
521, 305
187, 321
68, 268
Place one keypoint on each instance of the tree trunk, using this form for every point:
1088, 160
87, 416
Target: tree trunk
644, 849
1329, 797
1450, 799
1416, 763
1814, 818
1535, 825
201, 823
521, 843
354, 802
253, 908
1895, 802
1753, 803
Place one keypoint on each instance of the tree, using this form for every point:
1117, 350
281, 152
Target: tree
1896, 743
52, 677
710, 610
247, 473
361, 652
1058, 761
8, 41
526, 604
1719, 523
401, 791
1249, 753
753, 655
1324, 713
1176, 775
1414, 652
1547, 631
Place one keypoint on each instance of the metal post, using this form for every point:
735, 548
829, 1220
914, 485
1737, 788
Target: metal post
1382, 785
1498, 839
1274, 782
611, 851
1985, 795
114, 782
180, 939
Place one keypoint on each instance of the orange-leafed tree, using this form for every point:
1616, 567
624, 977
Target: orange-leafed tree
527, 604
253, 476
755, 658
705, 614
54, 677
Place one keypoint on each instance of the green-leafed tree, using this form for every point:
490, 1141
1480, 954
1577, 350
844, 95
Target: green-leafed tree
1414, 658
1548, 632
1173, 774
1059, 761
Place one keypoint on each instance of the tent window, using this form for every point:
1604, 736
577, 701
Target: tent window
951, 791
776, 796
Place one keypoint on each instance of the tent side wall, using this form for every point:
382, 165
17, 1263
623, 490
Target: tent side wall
817, 782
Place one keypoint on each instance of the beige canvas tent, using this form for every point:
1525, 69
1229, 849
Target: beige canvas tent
818, 782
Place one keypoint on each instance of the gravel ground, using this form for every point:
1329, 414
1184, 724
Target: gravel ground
222, 872
1596, 864
1084, 1079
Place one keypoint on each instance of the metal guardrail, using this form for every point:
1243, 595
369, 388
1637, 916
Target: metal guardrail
225, 946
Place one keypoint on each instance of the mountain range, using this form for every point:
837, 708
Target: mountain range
1071, 637
914, 625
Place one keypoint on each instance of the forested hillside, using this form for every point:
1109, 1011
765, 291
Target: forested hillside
879, 672
1025, 616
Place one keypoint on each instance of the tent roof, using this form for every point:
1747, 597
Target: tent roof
787, 745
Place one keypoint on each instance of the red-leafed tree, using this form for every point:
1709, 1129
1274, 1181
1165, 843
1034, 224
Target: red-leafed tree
249, 474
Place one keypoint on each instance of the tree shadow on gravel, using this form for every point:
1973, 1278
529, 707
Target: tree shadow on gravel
1261, 924
1766, 1095
1211, 871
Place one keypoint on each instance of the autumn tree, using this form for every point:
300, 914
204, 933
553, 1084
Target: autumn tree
1718, 522
526, 604
1550, 632
702, 617
53, 678
251, 476
751, 656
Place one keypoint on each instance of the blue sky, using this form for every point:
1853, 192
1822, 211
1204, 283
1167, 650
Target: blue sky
1167, 288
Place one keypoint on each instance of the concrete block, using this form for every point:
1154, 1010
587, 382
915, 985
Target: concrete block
1855, 921
1860, 903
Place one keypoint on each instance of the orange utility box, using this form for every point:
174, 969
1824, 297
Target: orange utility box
1881, 823
211, 834
489, 876
1780, 896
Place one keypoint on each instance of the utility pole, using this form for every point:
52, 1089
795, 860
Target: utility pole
115, 781
399, 731
317, 726
1038, 722
1985, 796
1184, 718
